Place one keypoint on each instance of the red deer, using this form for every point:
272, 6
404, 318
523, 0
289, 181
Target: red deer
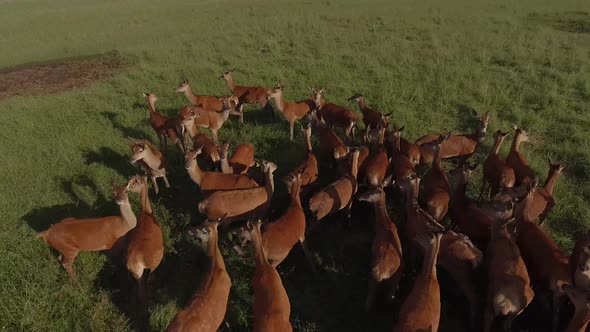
386, 250
151, 160
376, 165
401, 166
164, 126
524, 173
334, 115
71, 235
462, 146
371, 117
210, 181
581, 302
543, 203
212, 103
580, 263
309, 166
192, 117
495, 170
271, 307
207, 307
240, 161
437, 193
210, 156
292, 111
247, 94
332, 145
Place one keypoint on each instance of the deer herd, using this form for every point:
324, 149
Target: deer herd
494, 248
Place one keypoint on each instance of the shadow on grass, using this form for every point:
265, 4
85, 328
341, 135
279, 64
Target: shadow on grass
108, 157
126, 131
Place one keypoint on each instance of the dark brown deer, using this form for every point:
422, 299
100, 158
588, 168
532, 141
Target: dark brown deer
371, 118
496, 171
212, 103
580, 263
377, 164
164, 126
247, 94
334, 115
437, 192
401, 166
331, 145
523, 172
581, 302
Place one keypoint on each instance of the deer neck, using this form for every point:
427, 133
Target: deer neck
429, 263
308, 142
280, 100
225, 167
259, 255
191, 128
190, 95
550, 183
380, 207
437, 158
480, 134
354, 167
295, 190
516, 143
460, 190
362, 105
214, 252
152, 160
269, 185
230, 83
145, 199
152, 106
127, 214
497, 145
195, 172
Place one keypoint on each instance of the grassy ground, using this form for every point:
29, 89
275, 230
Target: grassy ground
526, 62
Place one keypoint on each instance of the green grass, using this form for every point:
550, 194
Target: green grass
526, 62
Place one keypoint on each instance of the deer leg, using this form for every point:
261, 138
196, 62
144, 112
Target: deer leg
166, 181
556, 303
142, 298
67, 262
291, 125
165, 147
349, 212
370, 294
215, 137
156, 189
488, 319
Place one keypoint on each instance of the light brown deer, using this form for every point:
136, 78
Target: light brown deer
151, 160
71, 235
524, 173
206, 310
192, 117
496, 171
377, 164
271, 307
334, 115
309, 166
292, 111
543, 202
386, 250
247, 94
437, 192
212, 103
461, 146
164, 126
581, 302
240, 161
371, 117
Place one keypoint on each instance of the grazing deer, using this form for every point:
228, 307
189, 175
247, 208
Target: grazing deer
151, 160
292, 111
211, 181
580, 263
371, 117
524, 173
210, 155
332, 145
386, 250
496, 171
401, 166
193, 117
581, 302
247, 94
212, 103
271, 307
377, 164
543, 202
71, 235
240, 204
207, 307
333, 115
164, 126
462, 146
240, 161
509, 289
437, 192
309, 166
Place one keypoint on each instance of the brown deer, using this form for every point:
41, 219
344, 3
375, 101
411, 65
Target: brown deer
240, 161
164, 126
271, 307
292, 111
524, 173
240, 204
331, 145
436, 193
212, 103
210, 156
401, 166
580, 263
371, 117
496, 171
309, 166
211, 181
334, 115
192, 117
377, 164
462, 146
151, 160
543, 202
581, 302
247, 94
386, 250
206, 310
71, 235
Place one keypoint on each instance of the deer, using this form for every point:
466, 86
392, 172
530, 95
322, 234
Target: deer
386, 249
206, 310
210, 156
212, 103
461, 146
247, 94
292, 111
543, 202
371, 117
332, 145
308, 168
238, 204
271, 307
164, 126
333, 115
211, 181
72, 235
436, 193
420, 311
496, 171
579, 262
337, 195
377, 164
193, 117
509, 286
523, 172
581, 302
547, 265
401, 166
151, 160
240, 161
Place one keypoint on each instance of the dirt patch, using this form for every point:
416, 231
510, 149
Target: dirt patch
575, 21
64, 74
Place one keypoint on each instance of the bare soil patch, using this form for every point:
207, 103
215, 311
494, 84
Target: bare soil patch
64, 74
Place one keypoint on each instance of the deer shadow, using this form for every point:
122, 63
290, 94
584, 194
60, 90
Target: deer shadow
108, 157
467, 118
126, 131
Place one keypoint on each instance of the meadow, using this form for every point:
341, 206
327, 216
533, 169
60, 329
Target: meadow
526, 62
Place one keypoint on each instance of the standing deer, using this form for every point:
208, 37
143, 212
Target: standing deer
581, 302
206, 310
496, 171
331, 145
240, 161
247, 94
437, 192
524, 173
164, 126
210, 156
401, 166
543, 202
71, 235
308, 168
292, 111
377, 164
334, 115
371, 117
151, 160
193, 117
579, 262
212, 103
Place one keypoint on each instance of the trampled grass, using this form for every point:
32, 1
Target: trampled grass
526, 62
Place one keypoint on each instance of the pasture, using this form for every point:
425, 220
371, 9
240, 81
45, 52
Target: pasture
429, 62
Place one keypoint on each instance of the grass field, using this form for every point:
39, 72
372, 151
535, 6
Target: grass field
527, 62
